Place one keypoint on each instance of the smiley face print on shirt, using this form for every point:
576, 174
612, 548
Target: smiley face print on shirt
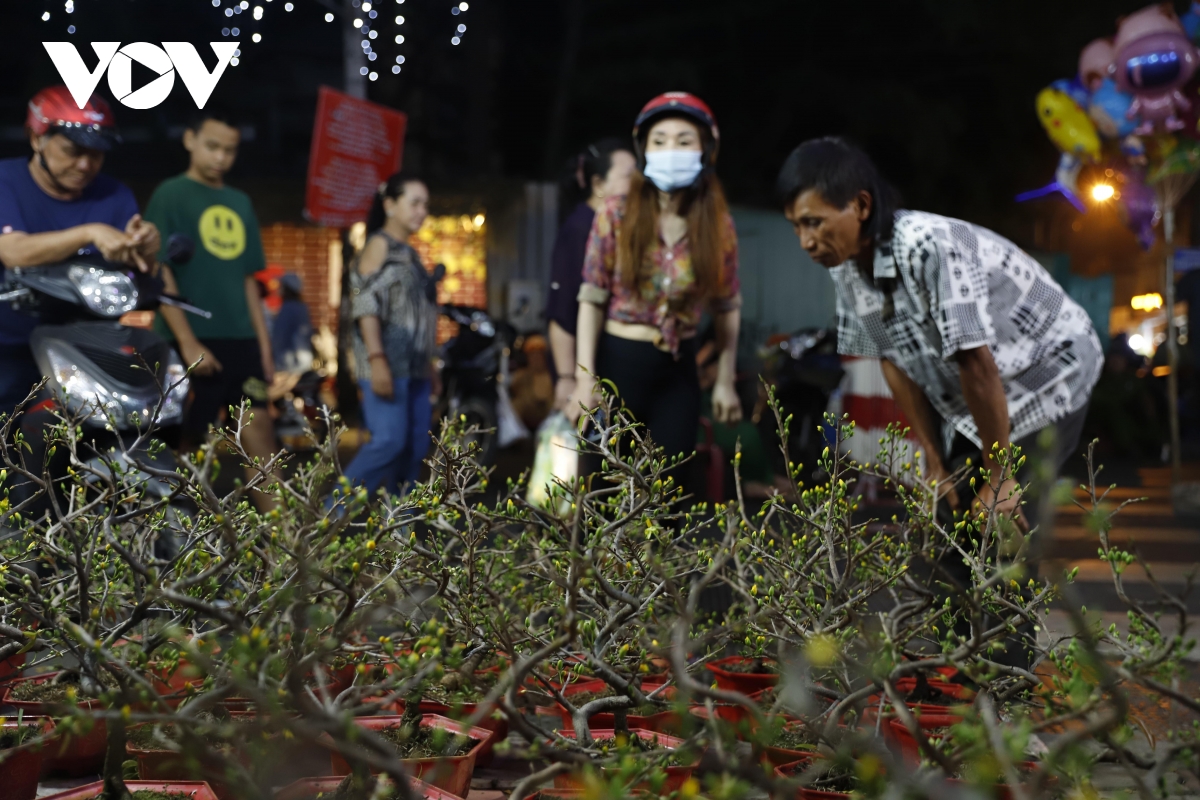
222, 232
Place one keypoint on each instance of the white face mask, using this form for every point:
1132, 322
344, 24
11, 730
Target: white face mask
673, 169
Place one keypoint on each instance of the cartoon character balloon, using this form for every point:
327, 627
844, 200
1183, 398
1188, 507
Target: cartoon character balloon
1067, 124
1095, 62
1153, 60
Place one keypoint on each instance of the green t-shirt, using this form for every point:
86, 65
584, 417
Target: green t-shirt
228, 248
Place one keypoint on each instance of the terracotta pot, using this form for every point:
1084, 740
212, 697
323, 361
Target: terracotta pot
788, 770
676, 775
909, 749
495, 722
450, 773
310, 788
744, 682
664, 721
20, 772
70, 754
193, 790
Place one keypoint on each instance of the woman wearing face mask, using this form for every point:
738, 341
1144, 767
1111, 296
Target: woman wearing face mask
601, 171
393, 339
654, 261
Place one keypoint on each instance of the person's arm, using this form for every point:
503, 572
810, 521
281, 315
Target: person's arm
983, 392
190, 348
365, 310
562, 349
254, 305
587, 337
19, 249
916, 409
727, 408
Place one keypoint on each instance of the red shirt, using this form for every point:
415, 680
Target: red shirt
668, 298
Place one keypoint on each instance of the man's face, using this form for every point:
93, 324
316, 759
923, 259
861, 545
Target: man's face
214, 148
72, 166
830, 235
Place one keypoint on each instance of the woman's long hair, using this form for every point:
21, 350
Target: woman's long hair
391, 189
702, 205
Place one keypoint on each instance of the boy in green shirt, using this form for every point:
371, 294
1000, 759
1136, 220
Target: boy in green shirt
233, 347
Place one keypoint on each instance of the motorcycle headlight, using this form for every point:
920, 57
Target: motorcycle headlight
81, 392
172, 407
84, 394
106, 292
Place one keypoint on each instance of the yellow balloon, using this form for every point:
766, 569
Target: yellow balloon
1068, 125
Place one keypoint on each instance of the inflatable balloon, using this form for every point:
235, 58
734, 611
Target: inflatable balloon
1095, 62
1154, 60
1108, 108
1066, 179
1067, 124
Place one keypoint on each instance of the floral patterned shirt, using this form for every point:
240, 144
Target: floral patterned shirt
958, 287
668, 299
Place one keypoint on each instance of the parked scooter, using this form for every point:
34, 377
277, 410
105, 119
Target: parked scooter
118, 380
805, 370
473, 362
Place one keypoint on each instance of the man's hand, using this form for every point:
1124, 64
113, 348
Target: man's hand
114, 245
381, 379
1007, 500
193, 351
564, 389
936, 473
727, 408
146, 238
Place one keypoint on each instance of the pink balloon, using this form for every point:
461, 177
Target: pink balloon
1095, 62
1153, 60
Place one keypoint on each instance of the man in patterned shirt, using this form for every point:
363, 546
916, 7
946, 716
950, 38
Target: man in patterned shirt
974, 337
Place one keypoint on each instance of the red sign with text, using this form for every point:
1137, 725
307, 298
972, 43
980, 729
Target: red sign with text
356, 146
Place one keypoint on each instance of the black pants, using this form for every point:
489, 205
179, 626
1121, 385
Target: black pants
1045, 454
661, 391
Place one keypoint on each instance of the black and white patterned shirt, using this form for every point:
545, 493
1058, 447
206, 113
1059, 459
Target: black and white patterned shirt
958, 287
396, 294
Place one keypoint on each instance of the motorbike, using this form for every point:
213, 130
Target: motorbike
118, 381
805, 370
474, 362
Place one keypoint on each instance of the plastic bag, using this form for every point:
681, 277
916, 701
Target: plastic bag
556, 459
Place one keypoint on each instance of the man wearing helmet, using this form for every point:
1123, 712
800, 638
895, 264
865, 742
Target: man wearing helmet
57, 204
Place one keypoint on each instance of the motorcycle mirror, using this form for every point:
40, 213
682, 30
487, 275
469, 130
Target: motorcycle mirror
180, 248
439, 272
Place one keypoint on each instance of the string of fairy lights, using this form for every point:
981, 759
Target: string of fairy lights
369, 18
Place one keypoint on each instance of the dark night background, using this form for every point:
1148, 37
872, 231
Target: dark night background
940, 91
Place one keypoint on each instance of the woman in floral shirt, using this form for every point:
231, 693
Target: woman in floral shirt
655, 260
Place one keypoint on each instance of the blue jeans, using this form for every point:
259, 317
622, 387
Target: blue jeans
399, 436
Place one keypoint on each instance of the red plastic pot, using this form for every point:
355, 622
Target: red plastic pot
909, 749
309, 788
495, 722
676, 775
664, 721
744, 682
20, 772
451, 773
193, 790
802, 793
71, 754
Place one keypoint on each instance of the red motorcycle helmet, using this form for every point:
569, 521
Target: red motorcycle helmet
53, 110
677, 104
